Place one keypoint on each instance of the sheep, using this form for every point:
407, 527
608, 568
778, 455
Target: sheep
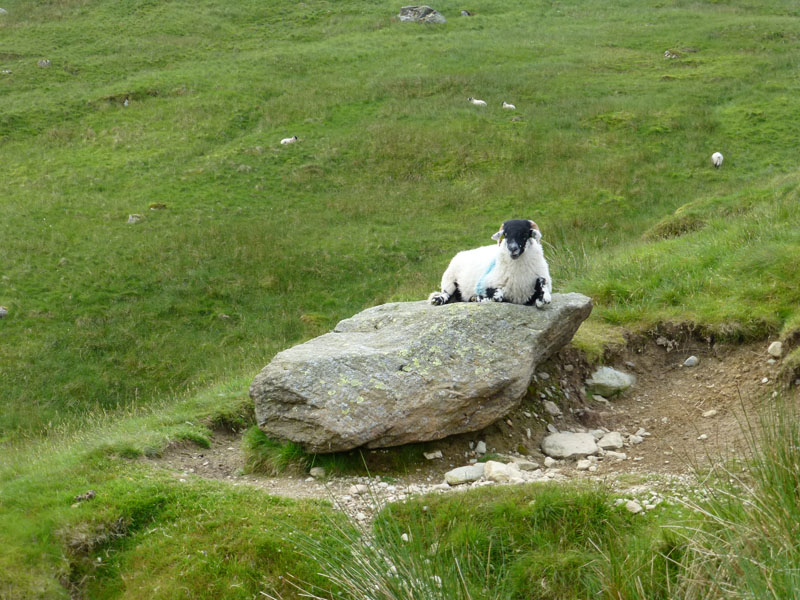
508, 106
476, 102
514, 270
290, 140
716, 160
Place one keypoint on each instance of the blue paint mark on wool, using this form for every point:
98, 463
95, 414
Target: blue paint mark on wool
480, 288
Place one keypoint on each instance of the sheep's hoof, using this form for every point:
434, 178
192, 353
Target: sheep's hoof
437, 299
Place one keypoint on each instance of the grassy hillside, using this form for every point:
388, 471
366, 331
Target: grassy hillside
121, 339
261, 245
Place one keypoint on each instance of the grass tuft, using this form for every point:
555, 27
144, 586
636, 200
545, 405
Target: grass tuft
270, 457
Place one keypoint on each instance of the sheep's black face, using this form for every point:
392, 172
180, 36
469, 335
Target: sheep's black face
518, 233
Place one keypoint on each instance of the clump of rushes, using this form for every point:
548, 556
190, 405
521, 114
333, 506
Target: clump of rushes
747, 544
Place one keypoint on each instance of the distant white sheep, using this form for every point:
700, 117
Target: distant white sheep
514, 270
508, 106
716, 159
290, 140
476, 102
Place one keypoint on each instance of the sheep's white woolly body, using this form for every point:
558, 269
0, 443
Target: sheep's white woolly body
490, 273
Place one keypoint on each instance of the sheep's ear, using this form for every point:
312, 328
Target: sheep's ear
537, 234
498, 237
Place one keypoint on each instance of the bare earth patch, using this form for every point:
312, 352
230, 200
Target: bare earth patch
669, 401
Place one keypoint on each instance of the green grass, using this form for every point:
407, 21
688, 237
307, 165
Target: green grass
537, 541
124, 339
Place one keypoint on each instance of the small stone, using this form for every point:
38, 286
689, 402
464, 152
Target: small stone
528, 433
527, 414
710, 413
552, 428
771, 361
480, 447
692, 361
549, 462
524, 464
611, 441
583, 465
702, 437
317, 472
633, 507
775, 349
635, 439
552, 408
616, 455
358, 489
134, 218
649, 506
569, 368
3, 311
543, 375
569, 445
404, 537
44, 63
607, 381
432, 455
464, 474
496, 471
765, 380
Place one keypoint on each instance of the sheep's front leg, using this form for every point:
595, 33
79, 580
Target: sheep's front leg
493, 295
439, 298
541, 295
547, 289
443, 297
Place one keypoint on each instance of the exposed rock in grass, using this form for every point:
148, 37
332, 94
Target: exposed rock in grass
633, 507
692, 361
420, 14
410, 372
775, 349
133, 219
3, 311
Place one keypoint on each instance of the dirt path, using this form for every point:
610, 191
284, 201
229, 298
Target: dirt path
669, 401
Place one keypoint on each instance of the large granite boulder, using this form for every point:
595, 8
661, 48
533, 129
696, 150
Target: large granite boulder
410, 372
